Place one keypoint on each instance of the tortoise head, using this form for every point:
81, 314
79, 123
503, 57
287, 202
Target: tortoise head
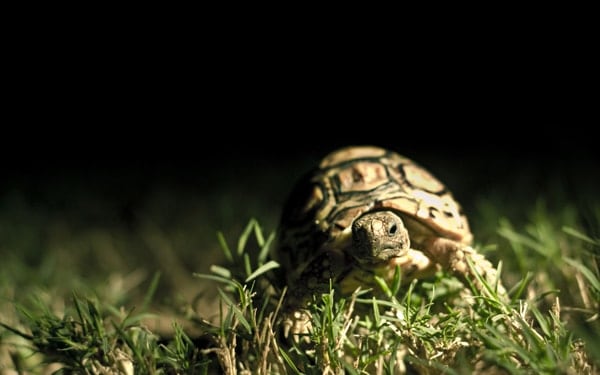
378, 237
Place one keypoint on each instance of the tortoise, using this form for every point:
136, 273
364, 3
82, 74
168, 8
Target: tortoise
363, 212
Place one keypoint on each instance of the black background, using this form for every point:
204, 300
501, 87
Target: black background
247, 137
205, 154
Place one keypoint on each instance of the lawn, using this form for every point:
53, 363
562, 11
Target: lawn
162, 269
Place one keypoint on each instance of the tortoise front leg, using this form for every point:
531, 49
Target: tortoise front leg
313, 281
453, 256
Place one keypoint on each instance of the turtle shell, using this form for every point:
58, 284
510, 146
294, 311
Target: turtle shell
352, 181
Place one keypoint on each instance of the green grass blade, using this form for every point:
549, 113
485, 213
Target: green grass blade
515, 237
238, 313
577, 234
397, 280
96, 318
81, 314
135, 319
262, 269
247, 264
16, 331
224, 246
376, 314
258, 234
289, 361
349, 369
519, 288
380, 302
151, 290
383, 285
589, 275
498, 341
264, 251
543, 323
220, 271
220, 279
244, 236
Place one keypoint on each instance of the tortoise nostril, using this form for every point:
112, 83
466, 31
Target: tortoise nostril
393, 229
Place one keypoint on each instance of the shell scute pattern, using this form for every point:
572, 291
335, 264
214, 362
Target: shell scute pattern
347, 200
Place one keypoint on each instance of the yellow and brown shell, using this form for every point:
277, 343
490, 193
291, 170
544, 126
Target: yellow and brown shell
316, 221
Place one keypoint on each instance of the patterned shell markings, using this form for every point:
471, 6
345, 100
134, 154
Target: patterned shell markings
355, 180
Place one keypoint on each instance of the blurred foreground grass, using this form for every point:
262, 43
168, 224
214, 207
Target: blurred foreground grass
104, 286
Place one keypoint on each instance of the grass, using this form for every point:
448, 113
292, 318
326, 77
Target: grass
103, 300
550, 325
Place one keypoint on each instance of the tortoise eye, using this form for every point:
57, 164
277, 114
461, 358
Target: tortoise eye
393, 229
